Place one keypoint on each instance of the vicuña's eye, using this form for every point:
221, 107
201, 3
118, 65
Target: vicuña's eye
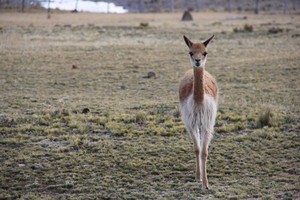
205, 53
191, 53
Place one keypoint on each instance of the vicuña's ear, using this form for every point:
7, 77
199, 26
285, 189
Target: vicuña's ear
208, 40
187, 41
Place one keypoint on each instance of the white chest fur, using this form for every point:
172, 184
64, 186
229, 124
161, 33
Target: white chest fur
199, 118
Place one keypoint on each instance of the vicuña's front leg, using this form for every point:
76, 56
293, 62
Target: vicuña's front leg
203, 156
198, 170
196, 141
204, 174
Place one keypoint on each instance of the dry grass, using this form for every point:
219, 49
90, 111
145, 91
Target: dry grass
132, 144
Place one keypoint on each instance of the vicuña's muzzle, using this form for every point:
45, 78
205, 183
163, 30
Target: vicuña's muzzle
197, 62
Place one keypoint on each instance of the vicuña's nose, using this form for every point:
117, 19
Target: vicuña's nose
197, 60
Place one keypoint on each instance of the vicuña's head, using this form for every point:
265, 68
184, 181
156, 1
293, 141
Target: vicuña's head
198, 51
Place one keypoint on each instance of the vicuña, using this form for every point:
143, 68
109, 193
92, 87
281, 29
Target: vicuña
198, 95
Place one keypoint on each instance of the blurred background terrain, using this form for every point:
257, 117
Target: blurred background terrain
163, 5
89, 103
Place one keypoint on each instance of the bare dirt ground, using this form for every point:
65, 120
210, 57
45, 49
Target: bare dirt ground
132, 144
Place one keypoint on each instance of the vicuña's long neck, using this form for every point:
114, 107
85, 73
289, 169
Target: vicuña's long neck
199, 84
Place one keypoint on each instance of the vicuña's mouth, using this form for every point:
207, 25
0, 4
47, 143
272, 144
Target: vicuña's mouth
197, 64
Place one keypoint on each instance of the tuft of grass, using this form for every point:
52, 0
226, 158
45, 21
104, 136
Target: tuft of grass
246, 29
144, 25
275, 30
141, 117
267, 133
230, 122
264, 118
267, 118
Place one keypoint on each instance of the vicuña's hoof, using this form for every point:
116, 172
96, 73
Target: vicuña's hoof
205, 187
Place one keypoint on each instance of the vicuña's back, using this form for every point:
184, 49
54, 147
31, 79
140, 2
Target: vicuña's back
198, 95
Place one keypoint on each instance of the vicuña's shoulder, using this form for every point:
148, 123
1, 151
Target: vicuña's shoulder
189, 72
206, 73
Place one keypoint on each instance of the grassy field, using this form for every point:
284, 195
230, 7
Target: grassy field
132, 144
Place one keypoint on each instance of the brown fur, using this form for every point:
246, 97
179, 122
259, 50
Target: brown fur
187, 82
198, 85
198, 49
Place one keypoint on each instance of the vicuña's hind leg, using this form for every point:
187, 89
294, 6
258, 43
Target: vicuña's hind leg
205, 140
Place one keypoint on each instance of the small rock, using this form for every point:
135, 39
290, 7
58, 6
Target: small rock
22, 165
274, 30
295, 35
74, 66
291, 171
150, 75
65, 112
85, 111
187, 16
75, 131
36, 166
